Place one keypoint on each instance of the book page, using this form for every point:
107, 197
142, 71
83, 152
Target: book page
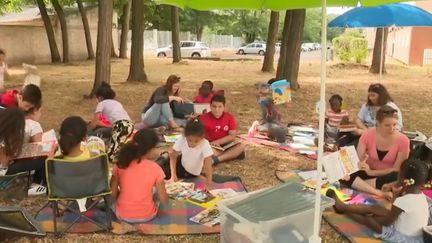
340, 163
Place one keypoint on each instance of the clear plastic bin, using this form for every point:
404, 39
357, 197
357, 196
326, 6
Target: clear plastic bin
280, 214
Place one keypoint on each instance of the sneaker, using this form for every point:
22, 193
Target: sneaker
36, 190
3, 170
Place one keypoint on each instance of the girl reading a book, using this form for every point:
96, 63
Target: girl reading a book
122, 125
73, 140
12, 129
33, 129
191, 155
405, 220
136, 178
382, 150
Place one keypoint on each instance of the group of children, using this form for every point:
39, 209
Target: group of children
138, 179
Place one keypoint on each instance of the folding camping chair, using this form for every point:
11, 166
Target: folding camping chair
14, 187
70, 181
17, 221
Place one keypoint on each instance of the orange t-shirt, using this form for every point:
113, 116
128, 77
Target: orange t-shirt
136, 183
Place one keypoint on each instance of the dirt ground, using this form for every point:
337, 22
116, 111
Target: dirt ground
64, 86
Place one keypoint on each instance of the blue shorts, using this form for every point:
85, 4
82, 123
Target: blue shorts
389, 233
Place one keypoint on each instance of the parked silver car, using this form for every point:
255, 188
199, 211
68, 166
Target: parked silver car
252, 48
187, 49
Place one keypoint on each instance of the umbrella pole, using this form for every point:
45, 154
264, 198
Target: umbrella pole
382, 55
315, 238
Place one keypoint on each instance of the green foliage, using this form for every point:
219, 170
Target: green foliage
351, 47
359, 47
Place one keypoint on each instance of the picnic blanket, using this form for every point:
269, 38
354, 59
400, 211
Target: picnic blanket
173, 218
348, 228
281, 146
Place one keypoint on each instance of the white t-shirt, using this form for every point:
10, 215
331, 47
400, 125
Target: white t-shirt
31, 129
112, 110
193, 158
3, 70
415, 214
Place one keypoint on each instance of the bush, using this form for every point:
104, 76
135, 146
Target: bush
351, 47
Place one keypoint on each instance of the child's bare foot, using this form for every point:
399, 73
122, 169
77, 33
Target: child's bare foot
123, 228
338, 207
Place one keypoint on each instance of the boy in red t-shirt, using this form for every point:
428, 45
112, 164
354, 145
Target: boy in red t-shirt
221, 129
205, 93
29, 97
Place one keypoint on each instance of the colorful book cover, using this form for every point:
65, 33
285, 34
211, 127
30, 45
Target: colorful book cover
281, 92
209, 217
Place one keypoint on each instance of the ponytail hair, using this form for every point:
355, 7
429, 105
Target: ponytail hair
143, 141
73, 130
194, 128
414, 172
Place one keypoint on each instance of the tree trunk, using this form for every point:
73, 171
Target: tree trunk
271, 42
113, 47
136, 69
280, 72
199, 32
175, 31
55, 55
376, 58
293, 51
62, 19
103, 49
125, 29
83, 11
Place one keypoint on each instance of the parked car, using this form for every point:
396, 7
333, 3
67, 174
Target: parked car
308, 47
187, 49
252, 48
316, 46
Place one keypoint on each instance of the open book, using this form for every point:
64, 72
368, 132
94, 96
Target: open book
209, 217
226, 146
342, 162
39, 149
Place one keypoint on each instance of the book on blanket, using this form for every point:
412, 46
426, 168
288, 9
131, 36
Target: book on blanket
342, 162
224, 193
201, 197
226, 146
47, 147
209, 217
180, 190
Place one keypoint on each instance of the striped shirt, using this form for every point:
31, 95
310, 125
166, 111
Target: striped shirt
334, 119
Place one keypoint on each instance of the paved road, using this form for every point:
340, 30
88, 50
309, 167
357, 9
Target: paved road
305, 56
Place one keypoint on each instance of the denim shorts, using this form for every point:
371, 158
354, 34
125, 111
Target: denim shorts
389, 233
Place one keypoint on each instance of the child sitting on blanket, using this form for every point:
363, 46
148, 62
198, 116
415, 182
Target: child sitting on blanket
409, 213
205, 93
334, 117
191, 155
269, 112
121, 123
137, 178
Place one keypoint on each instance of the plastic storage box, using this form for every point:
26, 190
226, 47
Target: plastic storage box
280, 214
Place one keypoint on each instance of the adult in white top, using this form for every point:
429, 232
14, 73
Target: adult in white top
378, 96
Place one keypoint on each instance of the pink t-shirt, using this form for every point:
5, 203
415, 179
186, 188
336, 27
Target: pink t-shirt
368, 138
136, 183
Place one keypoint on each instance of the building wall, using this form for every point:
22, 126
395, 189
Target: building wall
30, 44
398, 44
421, 40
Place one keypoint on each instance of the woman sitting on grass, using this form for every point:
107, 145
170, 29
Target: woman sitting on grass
137, 178
405, 220
382, 150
